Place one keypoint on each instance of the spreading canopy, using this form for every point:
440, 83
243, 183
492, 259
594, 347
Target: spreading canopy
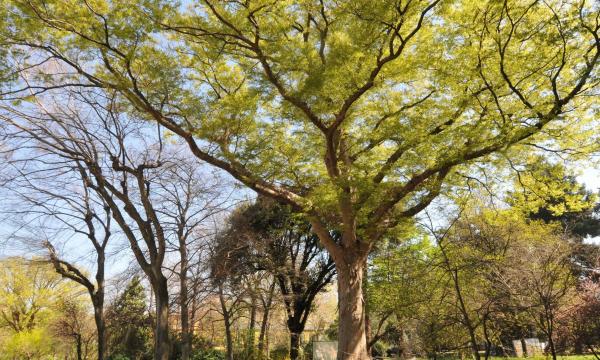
355, 112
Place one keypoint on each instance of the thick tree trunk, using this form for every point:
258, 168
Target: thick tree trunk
294, 345
352, 341
100, 327
296, 328
161, 333
98, 303
228, 339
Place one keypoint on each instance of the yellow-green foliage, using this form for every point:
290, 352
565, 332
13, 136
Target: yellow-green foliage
552, 187
31, 295
259, 82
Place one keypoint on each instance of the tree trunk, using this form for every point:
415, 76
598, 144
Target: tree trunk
251, 327
79, 348
549, 320
186, 338
161, 333
294, 345
352, 341
488, 342
98, 303
265, 320
100, 327
368, 335
552, 348
227, 321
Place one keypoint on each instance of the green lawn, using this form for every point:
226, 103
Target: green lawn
569, 357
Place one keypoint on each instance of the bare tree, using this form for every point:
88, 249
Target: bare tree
123, 161
540, 281
52, 201
189, 198
72, 324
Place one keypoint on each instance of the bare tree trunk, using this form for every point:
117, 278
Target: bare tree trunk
466, 318
186, 347
161, 334
551, 343
98, 303
549, 328
552, 347
265, 319
368, 330
251, 326
294, 345
79, 347
352, 341
488, 342
227, 321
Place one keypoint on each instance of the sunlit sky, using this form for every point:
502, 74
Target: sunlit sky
591, 179
122, 260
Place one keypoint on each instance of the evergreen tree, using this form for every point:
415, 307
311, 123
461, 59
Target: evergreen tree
130, 325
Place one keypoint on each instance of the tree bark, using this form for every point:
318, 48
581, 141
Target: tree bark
79, 347
551, 344
186, 346
294, 345
265, 319
352, 341
466, 318
251, 327
161, 334
227, 321
98, 302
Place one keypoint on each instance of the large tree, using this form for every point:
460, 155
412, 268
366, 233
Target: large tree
353, 112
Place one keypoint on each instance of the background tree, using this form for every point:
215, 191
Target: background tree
73, 324
48, 202
267, 236
129, 323
550, 192
30, 298
188, 202
230, 290
402, 280
541, 281
578, 326
150, 192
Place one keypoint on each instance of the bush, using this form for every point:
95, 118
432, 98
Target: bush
308, 350
118, 357
207, 354
280, 353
